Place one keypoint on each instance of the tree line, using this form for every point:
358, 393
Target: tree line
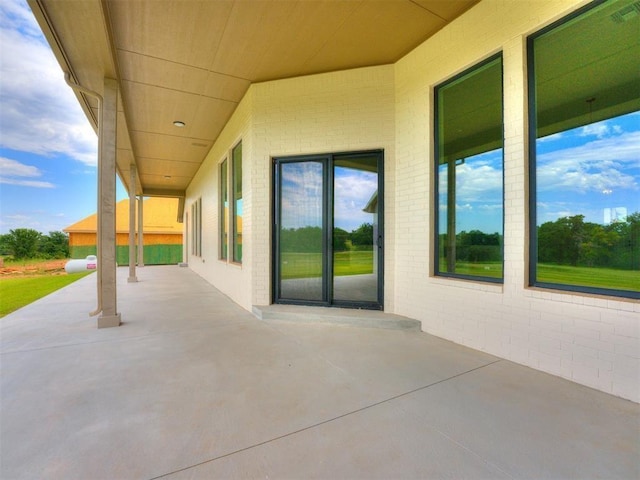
309, 239
565, 241
572, 241
26, 243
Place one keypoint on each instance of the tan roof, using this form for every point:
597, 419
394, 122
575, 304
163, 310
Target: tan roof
159, 216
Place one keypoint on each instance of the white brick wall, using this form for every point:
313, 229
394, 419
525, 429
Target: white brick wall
231, 279
334, 112
589, 339
342, 111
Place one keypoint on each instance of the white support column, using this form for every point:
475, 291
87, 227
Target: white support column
140, 232
107, 208
132, 224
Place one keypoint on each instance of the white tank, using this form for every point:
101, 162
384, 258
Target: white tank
89, 264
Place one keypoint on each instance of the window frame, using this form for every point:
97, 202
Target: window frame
233, 216
532, 164
436, 174
223, 219
196, 228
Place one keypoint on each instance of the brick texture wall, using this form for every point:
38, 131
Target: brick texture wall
589, 339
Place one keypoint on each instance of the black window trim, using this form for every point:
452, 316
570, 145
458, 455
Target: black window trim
531, 116
436, 187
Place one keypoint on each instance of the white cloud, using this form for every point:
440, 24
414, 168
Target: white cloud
16, 173
41, 221
600, 130
17, 217
353, 190
596, 166
14, 168
26, 183
302, 196
40, 113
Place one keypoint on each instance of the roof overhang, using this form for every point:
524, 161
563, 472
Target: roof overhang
193, 61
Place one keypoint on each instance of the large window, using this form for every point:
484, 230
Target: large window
469, 174
196, 228
224, 211
584, 106
236, 182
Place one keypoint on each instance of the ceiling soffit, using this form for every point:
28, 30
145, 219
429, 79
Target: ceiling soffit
194, 60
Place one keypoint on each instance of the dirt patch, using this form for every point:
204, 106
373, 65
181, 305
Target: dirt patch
45, 267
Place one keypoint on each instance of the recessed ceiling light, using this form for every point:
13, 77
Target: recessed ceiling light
179, 123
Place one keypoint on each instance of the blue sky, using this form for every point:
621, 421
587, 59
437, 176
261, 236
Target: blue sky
302, 196
592, 170
48, 150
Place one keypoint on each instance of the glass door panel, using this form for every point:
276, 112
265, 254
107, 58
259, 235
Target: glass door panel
301, 256
328, 212
355, 229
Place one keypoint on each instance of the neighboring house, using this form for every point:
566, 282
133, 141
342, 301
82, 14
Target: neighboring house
162, 234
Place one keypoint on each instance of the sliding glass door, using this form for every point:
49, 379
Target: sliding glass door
328, 230
301, 255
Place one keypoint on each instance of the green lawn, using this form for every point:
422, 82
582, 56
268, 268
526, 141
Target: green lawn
309, 265
590, 277
17, 292
488, 269
356, 262
562, 274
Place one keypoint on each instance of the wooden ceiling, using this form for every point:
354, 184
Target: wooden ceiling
194, 60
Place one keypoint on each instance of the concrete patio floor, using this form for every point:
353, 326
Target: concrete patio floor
191, 386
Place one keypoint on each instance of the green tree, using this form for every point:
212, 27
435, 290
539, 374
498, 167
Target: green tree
363, 235
572, 241
561, 241
301, 240
340, 238
596, 248
4, 244
477, 246
23, 242
54, 245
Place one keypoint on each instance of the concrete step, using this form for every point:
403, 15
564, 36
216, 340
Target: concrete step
337, 316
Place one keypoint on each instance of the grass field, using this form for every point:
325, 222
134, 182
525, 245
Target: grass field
590, 277
17, 292
24, 281
309, 265
489, 269
562, 274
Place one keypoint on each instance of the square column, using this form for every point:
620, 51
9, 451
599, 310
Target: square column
109, 317
132, 224
140, 232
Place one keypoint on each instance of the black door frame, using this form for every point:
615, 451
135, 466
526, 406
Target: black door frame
328, 161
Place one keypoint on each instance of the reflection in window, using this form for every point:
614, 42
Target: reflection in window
469, 174
224, 211
236, 182
300, 230
356, 228
585, 151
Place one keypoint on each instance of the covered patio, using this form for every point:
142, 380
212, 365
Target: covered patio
193, 386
